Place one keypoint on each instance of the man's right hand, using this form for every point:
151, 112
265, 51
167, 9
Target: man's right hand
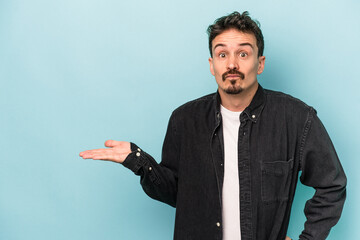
116, 152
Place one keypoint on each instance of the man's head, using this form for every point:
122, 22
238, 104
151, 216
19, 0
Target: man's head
236, 47
242, 23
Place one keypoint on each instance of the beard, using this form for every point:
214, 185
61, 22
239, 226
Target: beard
233, 89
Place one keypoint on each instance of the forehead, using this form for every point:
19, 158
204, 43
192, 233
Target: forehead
233, 37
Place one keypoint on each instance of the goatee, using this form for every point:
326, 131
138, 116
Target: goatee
232, 89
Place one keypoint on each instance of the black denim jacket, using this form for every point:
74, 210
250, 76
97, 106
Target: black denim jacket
279, 137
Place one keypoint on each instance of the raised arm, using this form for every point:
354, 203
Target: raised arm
159, 181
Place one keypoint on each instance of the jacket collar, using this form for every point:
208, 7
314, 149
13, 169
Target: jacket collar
252, 112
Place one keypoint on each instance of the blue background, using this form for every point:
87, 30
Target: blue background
76, 73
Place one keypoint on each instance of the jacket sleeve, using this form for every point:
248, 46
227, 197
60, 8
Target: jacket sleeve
159, 181
321, 169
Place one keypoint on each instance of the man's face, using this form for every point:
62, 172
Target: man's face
235, 62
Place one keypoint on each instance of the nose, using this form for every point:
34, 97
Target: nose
232, 63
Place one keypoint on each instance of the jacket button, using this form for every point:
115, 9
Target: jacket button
139, 150
150, 168
253, 116
138, 154
218, 224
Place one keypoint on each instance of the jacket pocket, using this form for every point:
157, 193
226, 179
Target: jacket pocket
276, 180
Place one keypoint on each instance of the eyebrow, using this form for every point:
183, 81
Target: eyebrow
240, 44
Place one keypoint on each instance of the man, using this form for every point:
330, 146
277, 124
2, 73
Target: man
231, 160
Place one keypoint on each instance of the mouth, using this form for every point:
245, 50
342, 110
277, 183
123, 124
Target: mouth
232, 76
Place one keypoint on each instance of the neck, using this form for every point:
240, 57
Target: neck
238, 102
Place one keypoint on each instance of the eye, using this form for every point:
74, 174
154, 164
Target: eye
243, 54
222, 55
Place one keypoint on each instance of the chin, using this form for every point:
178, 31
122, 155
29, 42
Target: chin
233, 90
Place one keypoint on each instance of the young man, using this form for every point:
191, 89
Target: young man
231, 159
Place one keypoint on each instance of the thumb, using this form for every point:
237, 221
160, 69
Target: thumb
111, 143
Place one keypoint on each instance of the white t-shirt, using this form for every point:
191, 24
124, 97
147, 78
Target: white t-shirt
231, 189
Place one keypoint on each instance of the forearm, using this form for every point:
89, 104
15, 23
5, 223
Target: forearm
157, 180
322, 170
323, 211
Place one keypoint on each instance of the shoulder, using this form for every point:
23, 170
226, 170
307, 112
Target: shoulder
279, 104
281, 99
197, 106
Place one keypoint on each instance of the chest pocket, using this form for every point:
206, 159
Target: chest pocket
276, 180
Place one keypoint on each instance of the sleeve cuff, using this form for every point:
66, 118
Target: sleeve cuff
134, 160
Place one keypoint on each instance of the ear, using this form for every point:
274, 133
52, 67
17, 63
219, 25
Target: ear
211, 66
261, 65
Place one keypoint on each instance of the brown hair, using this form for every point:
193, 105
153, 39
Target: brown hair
241, 22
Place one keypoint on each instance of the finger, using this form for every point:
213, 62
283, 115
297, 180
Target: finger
109, 154
108, 157
112, 143
95, 151
87, 156
94, 156
90, 153
85, 153
118, 158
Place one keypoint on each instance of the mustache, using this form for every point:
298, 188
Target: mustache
233, 71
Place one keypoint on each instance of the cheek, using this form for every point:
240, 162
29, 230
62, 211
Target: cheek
216, 71
220, 68
218, 75
252, 69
